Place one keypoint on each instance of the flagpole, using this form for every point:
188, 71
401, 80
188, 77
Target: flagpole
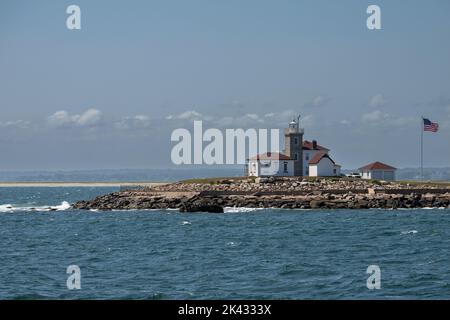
421, 150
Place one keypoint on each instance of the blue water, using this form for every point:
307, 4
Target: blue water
114, 175
264, 254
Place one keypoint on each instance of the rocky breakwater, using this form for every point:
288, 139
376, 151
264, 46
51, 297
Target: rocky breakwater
290, 193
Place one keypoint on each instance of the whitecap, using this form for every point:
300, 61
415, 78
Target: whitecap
6, 208
409, 232
63, 206
11, 208
240, 209
185, 223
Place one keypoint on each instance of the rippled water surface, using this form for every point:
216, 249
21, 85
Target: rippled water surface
242, 254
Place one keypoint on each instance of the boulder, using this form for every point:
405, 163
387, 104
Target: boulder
201, 207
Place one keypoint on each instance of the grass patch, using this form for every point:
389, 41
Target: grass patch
426, 183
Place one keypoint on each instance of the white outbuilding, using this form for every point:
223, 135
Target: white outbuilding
321, 165
379, 171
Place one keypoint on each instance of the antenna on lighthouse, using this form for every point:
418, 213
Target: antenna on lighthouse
298, 120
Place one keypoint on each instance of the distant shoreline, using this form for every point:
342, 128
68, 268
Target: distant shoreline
79, 184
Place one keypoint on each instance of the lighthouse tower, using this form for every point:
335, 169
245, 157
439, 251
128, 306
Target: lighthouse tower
293, 145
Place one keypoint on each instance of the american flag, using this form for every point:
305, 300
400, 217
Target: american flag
430, 126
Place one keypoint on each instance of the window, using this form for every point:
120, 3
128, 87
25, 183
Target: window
307, 157
285, 167
295, 141
334, 171
295, 156
265, 164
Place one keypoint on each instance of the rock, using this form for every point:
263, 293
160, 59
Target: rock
202, 207
289, 192
316, 204
259, 180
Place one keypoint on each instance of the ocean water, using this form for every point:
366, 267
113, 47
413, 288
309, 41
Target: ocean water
124, 175
241, 254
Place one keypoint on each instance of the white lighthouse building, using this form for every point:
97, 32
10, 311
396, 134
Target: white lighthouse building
300, 158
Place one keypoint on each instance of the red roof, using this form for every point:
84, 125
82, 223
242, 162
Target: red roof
308, 145
271, 156
319, 156
377, 166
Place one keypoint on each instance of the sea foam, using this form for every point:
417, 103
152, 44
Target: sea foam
409, 232
12, 208
240, 209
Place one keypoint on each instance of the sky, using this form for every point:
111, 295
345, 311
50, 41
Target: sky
110, 95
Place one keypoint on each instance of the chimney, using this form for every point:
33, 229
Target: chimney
314, 142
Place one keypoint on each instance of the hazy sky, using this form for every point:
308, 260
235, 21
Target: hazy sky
110, 94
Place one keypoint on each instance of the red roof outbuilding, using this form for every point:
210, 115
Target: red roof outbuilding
377, 166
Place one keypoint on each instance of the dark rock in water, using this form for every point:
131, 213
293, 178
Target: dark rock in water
289, 193
202, 207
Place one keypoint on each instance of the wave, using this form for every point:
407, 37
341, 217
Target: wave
11, 208
241, 209
409, 232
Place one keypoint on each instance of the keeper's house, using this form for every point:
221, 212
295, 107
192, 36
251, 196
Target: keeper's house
379, 171
271, 164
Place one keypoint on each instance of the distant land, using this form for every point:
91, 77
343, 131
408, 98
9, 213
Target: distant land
176, 174
434, 174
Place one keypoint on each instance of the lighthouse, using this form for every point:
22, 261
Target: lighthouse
293, 145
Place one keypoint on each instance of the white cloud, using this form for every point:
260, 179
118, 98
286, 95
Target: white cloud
307, 121
249, 119
134, 122
22, 124
318, 101
272, 119
88, 118
253, 116
188, 115
379, 118
282, 118
61, 118
377, 101
404, 121
374, 116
